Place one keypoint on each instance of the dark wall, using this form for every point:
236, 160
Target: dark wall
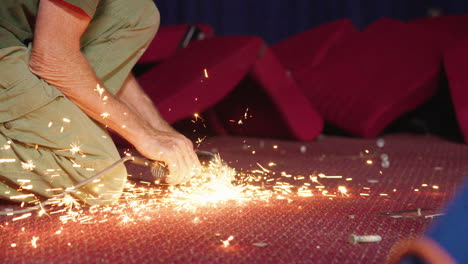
275, 20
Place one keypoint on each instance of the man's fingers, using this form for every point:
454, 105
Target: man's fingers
177, 152
188, 161
194, 166
179, 168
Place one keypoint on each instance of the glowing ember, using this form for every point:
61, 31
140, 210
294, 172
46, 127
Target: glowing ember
226, 242
34, 241
7, 160
22, 217
75, 148
99, 89
343, 190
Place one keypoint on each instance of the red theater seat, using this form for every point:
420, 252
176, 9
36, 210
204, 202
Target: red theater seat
276, 106
448, 30
375, 76
456, 67
308, 49
179, 86
170, 39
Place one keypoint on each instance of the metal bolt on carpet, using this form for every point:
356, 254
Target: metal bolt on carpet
354, 239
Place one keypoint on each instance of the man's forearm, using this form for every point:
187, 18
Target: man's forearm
133, 95
76, 79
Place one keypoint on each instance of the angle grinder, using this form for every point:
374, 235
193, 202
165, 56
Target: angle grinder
159, 170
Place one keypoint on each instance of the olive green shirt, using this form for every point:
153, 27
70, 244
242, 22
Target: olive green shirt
18, 17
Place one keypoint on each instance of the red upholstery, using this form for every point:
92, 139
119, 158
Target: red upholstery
208, 31
447, 29
276, 106
179, 87
310, 48
168, 40
456, 67
378, 74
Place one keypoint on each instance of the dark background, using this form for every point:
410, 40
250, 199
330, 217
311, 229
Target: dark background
274, 20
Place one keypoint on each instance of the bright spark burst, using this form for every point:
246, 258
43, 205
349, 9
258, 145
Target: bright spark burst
100, 90
75, 148
197, 116
343, 190
34, 241
22, 217
226, 242
105, 115
216, 185
29, 165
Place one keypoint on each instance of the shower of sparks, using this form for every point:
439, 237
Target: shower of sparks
206, 73
29, 165
216, 185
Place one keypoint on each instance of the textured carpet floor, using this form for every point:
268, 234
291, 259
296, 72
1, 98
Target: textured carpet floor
292, 230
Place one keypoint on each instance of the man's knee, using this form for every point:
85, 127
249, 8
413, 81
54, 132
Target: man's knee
146, 17
108, 188
139, 14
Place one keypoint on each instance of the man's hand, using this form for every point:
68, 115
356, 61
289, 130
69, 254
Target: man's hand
175, 150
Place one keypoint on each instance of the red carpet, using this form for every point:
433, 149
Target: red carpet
294, 230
